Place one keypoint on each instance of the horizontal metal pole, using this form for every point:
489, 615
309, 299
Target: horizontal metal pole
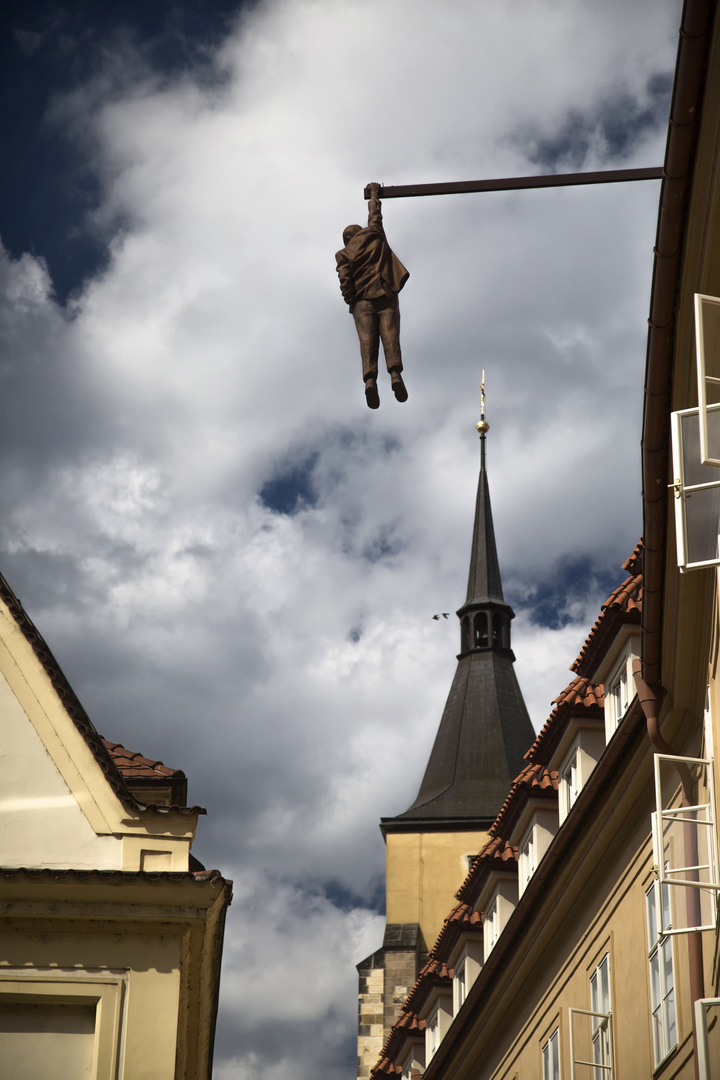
517, 183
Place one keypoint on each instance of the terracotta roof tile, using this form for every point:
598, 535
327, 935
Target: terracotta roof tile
407, 1025
132, 764
535, 779
623, 605
579, 695
496, 851
633, 563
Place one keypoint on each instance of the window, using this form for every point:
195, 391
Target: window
600, 1006
551, 1057
432, 1035
591, 1046
707, 325
467, 965
662, 975
491, 926
707, 1013
697, 489
527, 859
75, 1019
414, 1062
570, 783
460, 989
684, 842
437, 1022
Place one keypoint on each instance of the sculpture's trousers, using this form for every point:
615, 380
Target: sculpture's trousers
377, 320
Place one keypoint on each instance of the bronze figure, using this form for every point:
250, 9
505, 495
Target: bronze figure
371, 276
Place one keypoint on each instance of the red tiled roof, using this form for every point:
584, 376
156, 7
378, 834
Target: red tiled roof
633, 563
406, 1025
535, 779
578, 695
496, 850
131, 764
623, 605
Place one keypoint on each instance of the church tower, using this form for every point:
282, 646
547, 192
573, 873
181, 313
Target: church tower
478, 751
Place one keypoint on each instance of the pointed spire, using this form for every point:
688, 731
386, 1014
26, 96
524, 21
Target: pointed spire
485, 728
484, 584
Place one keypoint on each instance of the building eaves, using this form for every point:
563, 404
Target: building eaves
46, 873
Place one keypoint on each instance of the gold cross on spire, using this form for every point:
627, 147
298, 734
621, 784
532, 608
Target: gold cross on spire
482, 425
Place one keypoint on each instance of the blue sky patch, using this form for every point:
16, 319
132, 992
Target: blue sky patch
293, 489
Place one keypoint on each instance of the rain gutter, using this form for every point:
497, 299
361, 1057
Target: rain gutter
680, 152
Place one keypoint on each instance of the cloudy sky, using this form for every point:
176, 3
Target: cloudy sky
233, 559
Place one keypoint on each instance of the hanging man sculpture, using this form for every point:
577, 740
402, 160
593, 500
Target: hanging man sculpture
371, 276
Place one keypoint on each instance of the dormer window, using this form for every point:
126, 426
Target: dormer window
570, 783
466, 965
575, 760
501, 903
414, 1061
491, 926
437, 1023
534, 842
620, 686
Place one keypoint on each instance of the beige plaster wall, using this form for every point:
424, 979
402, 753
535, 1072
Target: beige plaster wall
424, 870
41, 823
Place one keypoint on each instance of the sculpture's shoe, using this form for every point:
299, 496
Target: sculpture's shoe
371, 394
399, 386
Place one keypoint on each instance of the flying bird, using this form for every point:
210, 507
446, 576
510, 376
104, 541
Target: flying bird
443, 613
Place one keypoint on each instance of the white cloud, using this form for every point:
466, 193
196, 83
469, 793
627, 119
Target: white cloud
288, 663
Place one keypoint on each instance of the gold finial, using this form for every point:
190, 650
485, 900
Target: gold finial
482, 425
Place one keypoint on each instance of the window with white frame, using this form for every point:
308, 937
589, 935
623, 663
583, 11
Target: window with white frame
437, 1022
662, 974
551, 1057
459, 987
684, 842
414, 1062
707, 1035
707, 336
432, 1035
696, 486
527, 858
600, 1007
570, 782
466, 965
491, 925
